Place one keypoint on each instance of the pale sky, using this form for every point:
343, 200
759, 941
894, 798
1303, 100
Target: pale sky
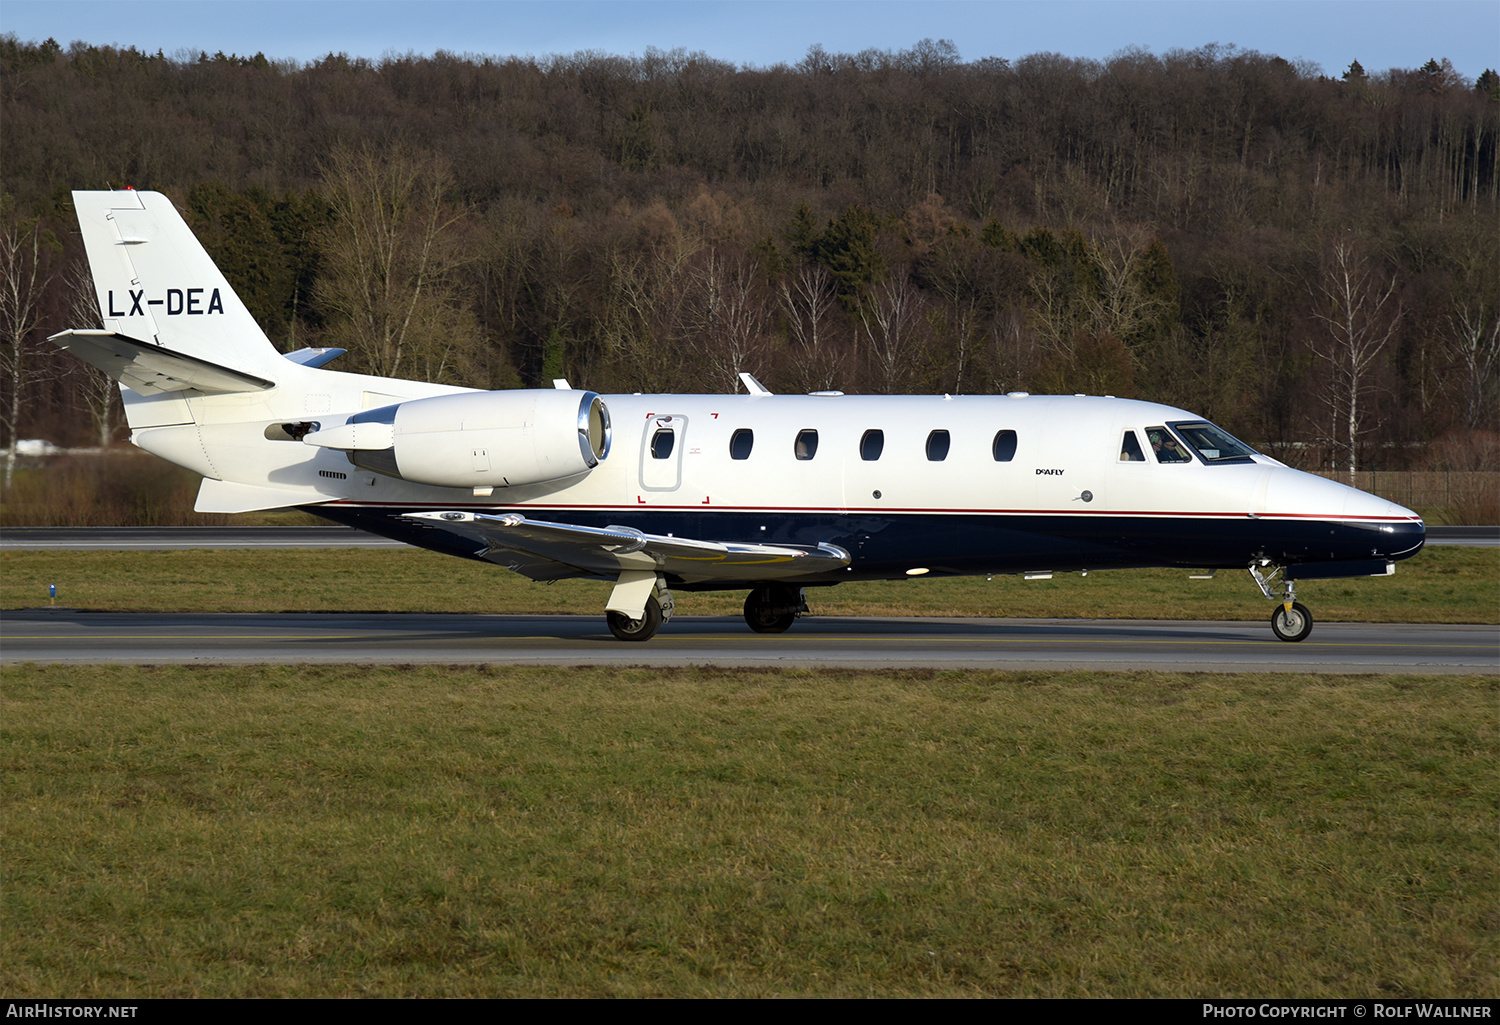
1380, 34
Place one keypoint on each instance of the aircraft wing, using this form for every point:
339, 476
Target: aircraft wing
550, 551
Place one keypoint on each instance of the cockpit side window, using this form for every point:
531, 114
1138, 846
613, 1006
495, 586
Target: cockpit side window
1130, 449
806, 445
1165, 447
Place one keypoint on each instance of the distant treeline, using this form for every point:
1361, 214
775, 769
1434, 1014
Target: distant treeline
1312, 262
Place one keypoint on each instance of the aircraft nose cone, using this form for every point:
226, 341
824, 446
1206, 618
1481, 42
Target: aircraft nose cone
1298, 493
1404, 539
1399, 532
1342, 522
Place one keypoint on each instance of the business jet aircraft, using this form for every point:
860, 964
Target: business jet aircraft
773, 493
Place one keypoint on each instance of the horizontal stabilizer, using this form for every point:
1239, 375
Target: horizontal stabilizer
606, 551
315, 357
150, 369
225, 496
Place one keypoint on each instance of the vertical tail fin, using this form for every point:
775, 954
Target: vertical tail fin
156, 284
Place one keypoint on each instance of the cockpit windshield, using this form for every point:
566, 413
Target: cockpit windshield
1212, 444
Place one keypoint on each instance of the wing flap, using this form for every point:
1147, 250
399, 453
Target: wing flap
606, 551
150, 369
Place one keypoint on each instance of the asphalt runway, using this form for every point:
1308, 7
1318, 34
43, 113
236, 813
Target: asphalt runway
68, 636
63, 635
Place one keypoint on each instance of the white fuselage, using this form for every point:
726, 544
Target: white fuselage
1065, 477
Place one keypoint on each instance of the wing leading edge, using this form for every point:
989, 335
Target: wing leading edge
551, 551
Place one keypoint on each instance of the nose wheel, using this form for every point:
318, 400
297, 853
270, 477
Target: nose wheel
1291, 623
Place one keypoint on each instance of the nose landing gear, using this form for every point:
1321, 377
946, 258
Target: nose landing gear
1292, 621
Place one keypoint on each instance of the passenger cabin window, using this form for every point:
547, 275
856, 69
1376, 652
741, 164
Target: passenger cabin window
662, 442
1165, 447
871, 445
1004, 446
740, 443
937, 446
1130, 449
807, 444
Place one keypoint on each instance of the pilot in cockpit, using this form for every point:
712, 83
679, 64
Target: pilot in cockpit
1165, 447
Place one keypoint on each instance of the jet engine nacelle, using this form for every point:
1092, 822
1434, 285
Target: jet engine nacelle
478, 439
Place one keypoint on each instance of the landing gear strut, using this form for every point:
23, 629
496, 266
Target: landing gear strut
770, 610
1292, 621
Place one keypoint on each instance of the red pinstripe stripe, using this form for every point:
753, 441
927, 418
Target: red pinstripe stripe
832, 510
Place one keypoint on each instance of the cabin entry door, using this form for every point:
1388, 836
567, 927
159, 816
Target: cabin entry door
662, 448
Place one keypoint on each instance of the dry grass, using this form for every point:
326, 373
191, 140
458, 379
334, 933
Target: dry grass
120, 488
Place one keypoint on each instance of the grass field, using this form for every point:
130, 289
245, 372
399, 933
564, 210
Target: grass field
490, 831
1444, 584
443, 831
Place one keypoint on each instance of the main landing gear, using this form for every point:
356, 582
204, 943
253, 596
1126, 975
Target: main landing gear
643, 629
1292, 621
768, 610
638, 606
771, 610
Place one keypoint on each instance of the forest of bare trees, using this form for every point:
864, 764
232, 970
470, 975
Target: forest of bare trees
1313, 262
